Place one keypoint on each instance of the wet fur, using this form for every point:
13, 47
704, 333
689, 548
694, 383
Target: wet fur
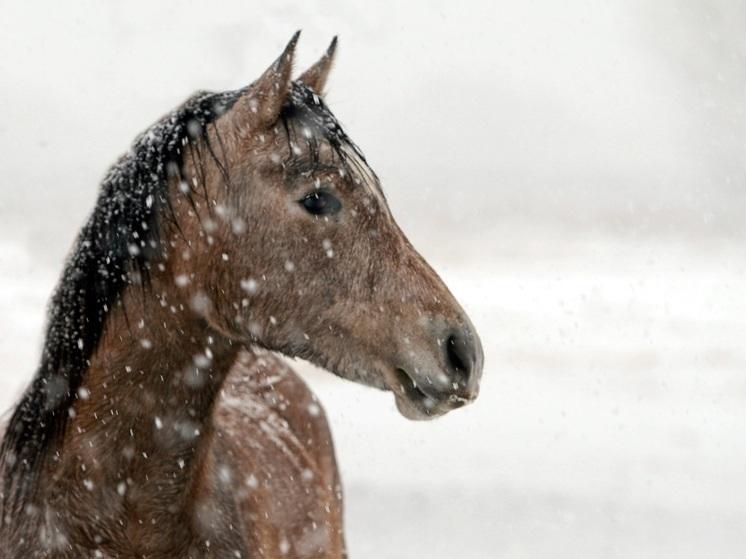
156, 402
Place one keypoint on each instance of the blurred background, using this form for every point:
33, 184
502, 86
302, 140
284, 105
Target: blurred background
575, 171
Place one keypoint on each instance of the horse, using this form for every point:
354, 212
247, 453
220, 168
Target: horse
162, 421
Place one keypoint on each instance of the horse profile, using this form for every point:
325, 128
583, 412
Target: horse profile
161, 423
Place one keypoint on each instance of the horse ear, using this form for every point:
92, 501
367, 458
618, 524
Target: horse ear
262, 101
315, 76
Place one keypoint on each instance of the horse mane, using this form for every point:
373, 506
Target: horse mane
112, 250
115, 248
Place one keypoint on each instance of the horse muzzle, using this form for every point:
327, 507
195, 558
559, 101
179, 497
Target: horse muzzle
434, 380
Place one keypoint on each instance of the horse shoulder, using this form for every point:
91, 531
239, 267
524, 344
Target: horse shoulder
272, 455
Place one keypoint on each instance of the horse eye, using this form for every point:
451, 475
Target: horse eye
321, 202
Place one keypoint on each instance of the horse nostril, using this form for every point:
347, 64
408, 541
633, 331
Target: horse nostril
460, 356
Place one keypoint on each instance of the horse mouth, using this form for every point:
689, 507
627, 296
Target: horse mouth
409, 386
415, 403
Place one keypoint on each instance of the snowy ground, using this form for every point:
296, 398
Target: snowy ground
610, 422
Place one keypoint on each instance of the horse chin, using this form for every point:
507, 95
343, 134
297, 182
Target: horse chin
416, 411
414, 403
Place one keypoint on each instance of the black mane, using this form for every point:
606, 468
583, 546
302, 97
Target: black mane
114, 249
115, 241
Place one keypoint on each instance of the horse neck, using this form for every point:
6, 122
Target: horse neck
144, 407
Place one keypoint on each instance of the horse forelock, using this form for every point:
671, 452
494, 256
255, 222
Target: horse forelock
307, 111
